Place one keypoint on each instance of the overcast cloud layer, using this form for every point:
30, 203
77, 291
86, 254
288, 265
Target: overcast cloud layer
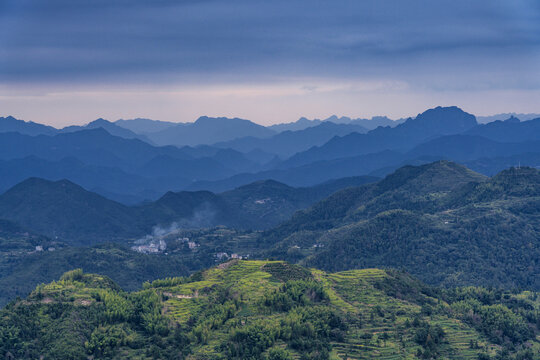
68, 61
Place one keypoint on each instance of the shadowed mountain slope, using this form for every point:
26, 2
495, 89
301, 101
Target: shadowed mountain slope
65, 210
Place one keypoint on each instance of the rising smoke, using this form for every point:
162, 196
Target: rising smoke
203, 216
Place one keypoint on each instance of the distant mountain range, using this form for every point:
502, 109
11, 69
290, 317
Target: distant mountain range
310, 174
369, 124
206, 130
144, 126
504, 116
10, 124
108, 126
147, 126
431, 123
441, 133
126, 165
99, 160
289, 142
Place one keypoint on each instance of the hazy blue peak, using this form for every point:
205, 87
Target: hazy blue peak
209, 120
503, 116
142, 125
11, 124
446, 120
512, 119
12, 119
301, 124
332, 118
381, 118
100, 121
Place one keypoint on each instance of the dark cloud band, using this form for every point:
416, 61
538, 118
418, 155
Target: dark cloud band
84, 41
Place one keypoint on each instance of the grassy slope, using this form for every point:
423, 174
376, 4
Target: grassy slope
378, 307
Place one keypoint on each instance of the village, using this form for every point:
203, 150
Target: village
180, 241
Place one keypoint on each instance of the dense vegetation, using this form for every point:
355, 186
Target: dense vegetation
441, 222
269, 310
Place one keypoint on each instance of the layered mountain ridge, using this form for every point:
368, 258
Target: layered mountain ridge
103, 155
62, 209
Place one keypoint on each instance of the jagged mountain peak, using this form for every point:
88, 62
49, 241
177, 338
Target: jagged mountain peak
446, 120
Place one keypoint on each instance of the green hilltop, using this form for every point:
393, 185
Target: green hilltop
269, 310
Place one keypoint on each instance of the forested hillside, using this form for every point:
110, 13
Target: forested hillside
269, 310
441, 222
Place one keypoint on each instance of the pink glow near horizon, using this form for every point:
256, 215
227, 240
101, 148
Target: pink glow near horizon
265, 104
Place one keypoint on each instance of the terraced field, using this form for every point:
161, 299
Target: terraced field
269, 310
377, 320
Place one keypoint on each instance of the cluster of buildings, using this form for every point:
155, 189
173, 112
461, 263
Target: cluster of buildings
192, 245
224, 256
152, 247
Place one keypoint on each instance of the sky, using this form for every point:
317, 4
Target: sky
72, 61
